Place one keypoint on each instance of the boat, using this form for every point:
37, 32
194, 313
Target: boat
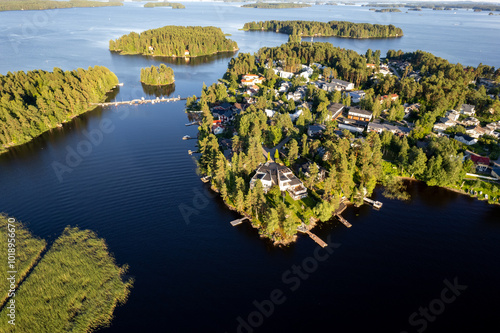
186, 137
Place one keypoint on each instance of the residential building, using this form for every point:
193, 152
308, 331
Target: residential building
251, 79
354, 126
468, 109
334, 111
356, 96
336, 84
391, 97
379, 128
481, 162
272, 173
315, 130
359, 114
465, 139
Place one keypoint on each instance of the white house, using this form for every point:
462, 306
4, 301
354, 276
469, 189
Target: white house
357, 96
465, 139
285, 75
468, 109
272, 173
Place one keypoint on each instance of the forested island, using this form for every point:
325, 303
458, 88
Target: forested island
157, 76
49, 4
174, 5
332, 28
280, 5
387, 10
440, 5
174, 41
37, 101
289, 128
73, 287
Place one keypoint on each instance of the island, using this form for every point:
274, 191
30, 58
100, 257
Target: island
48, 4
174, 41
157, 76
328, 29
292, 134
280, 5
45, 100
74, 285
388, 10
174, 5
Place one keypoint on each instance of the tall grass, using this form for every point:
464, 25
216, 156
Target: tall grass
74, 288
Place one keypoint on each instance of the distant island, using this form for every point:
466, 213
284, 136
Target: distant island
332, 28
157, 76
48, 4
74, 286
174, 5
47, 99
174, 41
269, 5
449, 5
387, 10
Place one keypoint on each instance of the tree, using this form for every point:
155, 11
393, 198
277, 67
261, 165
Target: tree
293, 150
417, 162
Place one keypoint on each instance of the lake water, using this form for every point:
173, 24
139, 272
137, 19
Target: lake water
197, 273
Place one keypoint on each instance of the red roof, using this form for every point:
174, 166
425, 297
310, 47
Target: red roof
480, 159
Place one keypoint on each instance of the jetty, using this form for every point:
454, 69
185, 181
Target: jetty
190, 152
142, 100
375, 204
302, 228
339, 211
238, 221
205, 179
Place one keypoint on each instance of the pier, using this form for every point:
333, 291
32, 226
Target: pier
238, 221
142, 100
339, 211
302, 228
375, 204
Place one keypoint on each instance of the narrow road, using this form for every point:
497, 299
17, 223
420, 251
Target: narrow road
279, 146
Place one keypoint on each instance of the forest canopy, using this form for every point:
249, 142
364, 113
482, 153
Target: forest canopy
157, 76
34, 102
174, 5
332, 28
47, 4
268, 5
174, 41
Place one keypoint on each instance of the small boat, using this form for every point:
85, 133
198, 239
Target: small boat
205, 179
186, 137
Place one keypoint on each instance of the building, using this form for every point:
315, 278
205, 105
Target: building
481, 162
451, 115
315, 130
356, 96
379, 128
354, 126
272, 173
359, 114
285, 75
468, 109
251, 79
465, 139
337, 85
391, 97
334, 111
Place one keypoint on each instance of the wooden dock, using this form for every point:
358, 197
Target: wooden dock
302, 228
238, 221
375, 204
337, 213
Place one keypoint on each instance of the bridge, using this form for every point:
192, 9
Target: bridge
141, 100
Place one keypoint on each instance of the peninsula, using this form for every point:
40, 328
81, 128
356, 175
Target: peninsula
174, 41
327, 29
287, 136
47, 99
48, 4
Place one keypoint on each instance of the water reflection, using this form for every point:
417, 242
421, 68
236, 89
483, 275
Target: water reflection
158, 91
178, 61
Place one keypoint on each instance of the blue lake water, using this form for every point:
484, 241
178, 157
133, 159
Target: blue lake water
199, 274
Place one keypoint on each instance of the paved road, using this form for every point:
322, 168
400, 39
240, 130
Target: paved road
279, 146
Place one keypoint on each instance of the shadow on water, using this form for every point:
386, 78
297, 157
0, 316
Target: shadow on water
179, 61
158, 91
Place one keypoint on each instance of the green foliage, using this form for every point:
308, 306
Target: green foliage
394, 188
74, 288
332, 28
174, 41
157, 76
48, 4
34, 102
174, 5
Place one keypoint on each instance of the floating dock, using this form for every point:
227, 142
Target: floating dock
238, 221
339, 211
375, 204
302, 228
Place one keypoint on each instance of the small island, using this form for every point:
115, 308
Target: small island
45, 100
330, 29
76, 284
157, 76
280, 5
174, 41
174, 5
388, 10
48, 4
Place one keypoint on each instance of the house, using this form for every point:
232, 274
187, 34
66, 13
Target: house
391, 97
354, 126
356, 96
217, 129
475, 131
451, 115
285, 75
359, 114
294, 116
306, 169
337, 85
468, 109
411, 108
465, 139
440, 128
186, 53
470, 121
481, 162
379, 128
315, 130
269, 113
334, 111
371, 66
272, 173
251, 79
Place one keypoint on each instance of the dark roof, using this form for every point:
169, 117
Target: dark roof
467, 107
335, 107
316, 129
340, 82
464, 136
360, 111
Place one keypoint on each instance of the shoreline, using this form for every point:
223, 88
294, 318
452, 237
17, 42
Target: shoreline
321, 36
156, 85
173, 56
